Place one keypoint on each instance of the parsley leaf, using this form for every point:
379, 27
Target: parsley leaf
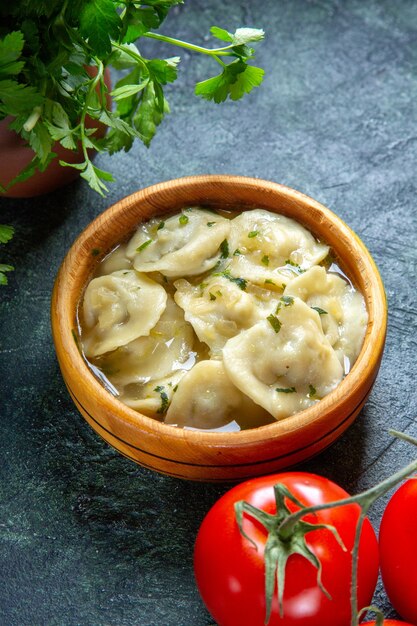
236, 79
164, 399
286, 389
275, 323
144, 245
99, 24
240, 282
319, 310
224, 249
11, 48
6, 233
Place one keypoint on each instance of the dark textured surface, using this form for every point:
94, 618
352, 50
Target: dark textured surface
88, 538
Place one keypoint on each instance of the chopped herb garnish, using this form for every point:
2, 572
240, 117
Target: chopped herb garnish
183, 219
210, 224
284, 301
212, 296
312, 391
203, 285
175, 388
240, 282
319, 310
253, 233
237, 252
283, 286
286, 389
95, 251
268, 281
296, 267
224, 249
144, 245
218, 292
275, 323
265, 259
160, 225
164, 399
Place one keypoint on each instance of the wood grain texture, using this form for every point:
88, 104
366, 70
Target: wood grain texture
202, 455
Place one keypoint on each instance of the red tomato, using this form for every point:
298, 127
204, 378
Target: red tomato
398, 550
229, 569
387, 622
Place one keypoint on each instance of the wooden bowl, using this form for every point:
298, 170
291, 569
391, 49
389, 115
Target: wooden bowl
215, 456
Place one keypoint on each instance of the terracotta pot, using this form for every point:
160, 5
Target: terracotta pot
16, 155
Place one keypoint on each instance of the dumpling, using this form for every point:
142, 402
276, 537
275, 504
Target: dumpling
206, 399
153, 398
118, 308
167, 348
342, 309
284, 363
220, 307
116, 260
271, 249
182, 245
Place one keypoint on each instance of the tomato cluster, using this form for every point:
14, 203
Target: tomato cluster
229, 558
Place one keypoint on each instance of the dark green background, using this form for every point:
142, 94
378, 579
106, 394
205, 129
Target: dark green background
87, 537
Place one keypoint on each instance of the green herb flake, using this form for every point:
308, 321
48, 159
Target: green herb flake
237, 252
161, 225
218, 292
286, 389
175, 388
240, 282
297, 268
144, 245
253, 233
224, 249
164, 399
275, 323
319, 310
212, 296
312, 392
183, 219
284, 301
268, 281
265, 260
95, 251
210, 224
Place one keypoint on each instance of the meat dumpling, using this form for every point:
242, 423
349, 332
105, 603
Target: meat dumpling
182, 245
119, 308
284, 363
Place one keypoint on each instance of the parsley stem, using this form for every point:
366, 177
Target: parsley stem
225, 51
92, 86
131, 53
32, 119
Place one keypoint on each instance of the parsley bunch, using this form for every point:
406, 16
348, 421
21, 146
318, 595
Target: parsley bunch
45, 48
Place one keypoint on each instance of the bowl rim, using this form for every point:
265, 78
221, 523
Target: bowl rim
63, 328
